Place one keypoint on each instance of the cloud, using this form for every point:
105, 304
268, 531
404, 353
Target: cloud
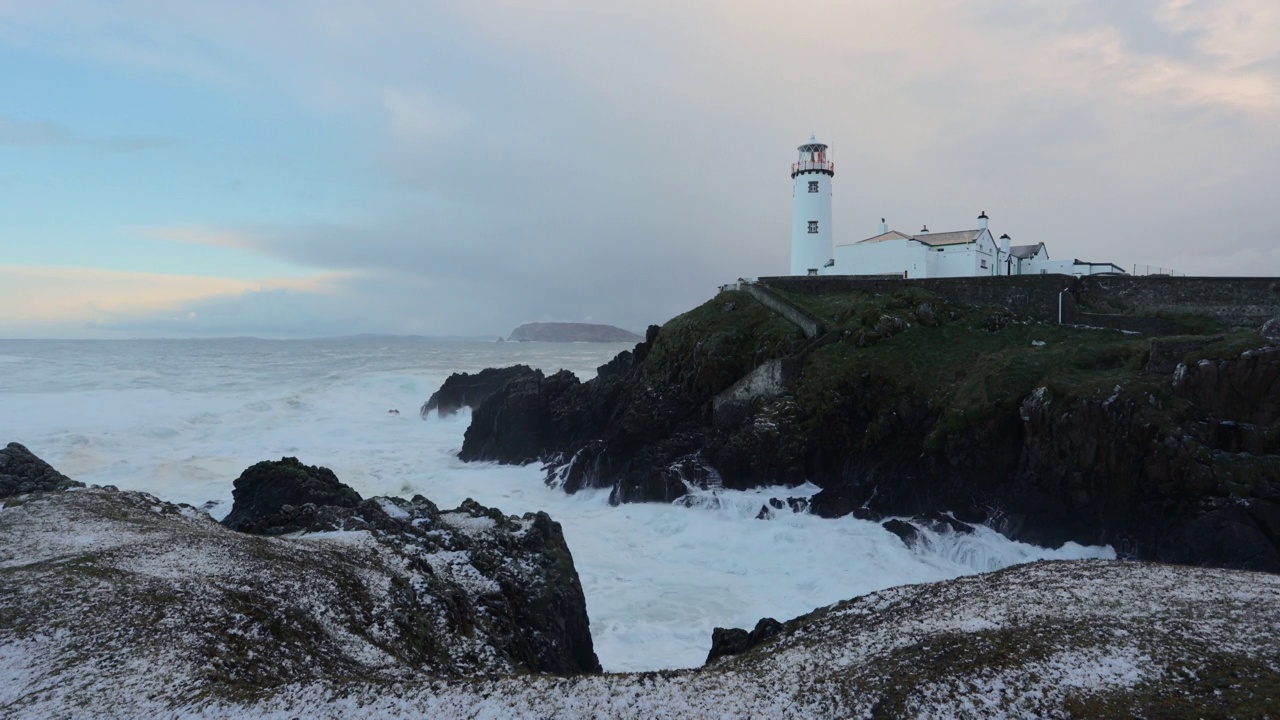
266, 312
416, 118
210, 237
45, 133
37, 300
620, 160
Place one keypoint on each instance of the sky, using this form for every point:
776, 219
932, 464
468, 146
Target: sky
321, 167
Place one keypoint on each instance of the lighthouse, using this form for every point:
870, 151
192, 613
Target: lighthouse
811, 209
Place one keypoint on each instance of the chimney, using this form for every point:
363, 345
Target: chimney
1004, 244
982, 220
924, 230
884, 226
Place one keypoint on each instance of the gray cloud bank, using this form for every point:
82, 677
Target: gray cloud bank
616, 162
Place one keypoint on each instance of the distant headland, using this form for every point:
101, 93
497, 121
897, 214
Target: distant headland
572, 332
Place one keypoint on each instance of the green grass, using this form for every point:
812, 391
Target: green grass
967, 364
952, 358
708, 348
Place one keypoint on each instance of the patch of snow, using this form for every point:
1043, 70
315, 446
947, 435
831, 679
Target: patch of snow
456, 566
464, 521
393, 510
345, 537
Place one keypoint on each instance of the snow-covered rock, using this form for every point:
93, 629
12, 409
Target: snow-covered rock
116, 604
118, 601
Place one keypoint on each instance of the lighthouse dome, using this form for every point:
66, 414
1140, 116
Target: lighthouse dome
813, 146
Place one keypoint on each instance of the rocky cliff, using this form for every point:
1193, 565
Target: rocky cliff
908, 403
469, 390
572, 332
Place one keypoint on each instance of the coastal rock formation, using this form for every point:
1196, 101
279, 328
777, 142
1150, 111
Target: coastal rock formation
911, 404
382, 590
521, 418
735, 641
22, 472
1060, 639
467, 390
571, 332
510, 579
266, 494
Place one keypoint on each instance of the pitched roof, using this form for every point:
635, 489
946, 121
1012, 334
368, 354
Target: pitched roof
891, 235
931, 238
959, 237
1026, 251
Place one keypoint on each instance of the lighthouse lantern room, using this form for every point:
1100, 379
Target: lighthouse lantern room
811, 209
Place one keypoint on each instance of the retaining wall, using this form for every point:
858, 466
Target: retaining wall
808, 324
1232, 301
1119, 301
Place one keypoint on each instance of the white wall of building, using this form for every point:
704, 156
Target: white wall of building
955, 261
917, 260
1065, 267
891, 257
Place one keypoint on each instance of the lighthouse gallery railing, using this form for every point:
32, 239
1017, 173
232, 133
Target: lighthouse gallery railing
812, 166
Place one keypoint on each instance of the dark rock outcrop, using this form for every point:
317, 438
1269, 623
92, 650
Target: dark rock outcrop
267, 496
735, 641
406, 592
942, 523
22, 472
572, 332
517, 580
1187, 478
1271, 331
908, 533
518, 424
466, 390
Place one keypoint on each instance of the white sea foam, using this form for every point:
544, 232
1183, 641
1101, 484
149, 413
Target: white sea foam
182, 419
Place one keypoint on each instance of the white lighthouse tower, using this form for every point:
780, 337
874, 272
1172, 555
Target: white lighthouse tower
811, 209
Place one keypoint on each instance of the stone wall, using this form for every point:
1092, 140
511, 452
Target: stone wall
1232, 301
1138, 304
765, 381
807, 323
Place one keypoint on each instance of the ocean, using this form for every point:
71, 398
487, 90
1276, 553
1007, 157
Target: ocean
182, 418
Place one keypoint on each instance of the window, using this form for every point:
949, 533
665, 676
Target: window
984, 263
813, 186
813, 227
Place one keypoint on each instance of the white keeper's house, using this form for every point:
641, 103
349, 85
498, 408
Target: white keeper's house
925, 254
